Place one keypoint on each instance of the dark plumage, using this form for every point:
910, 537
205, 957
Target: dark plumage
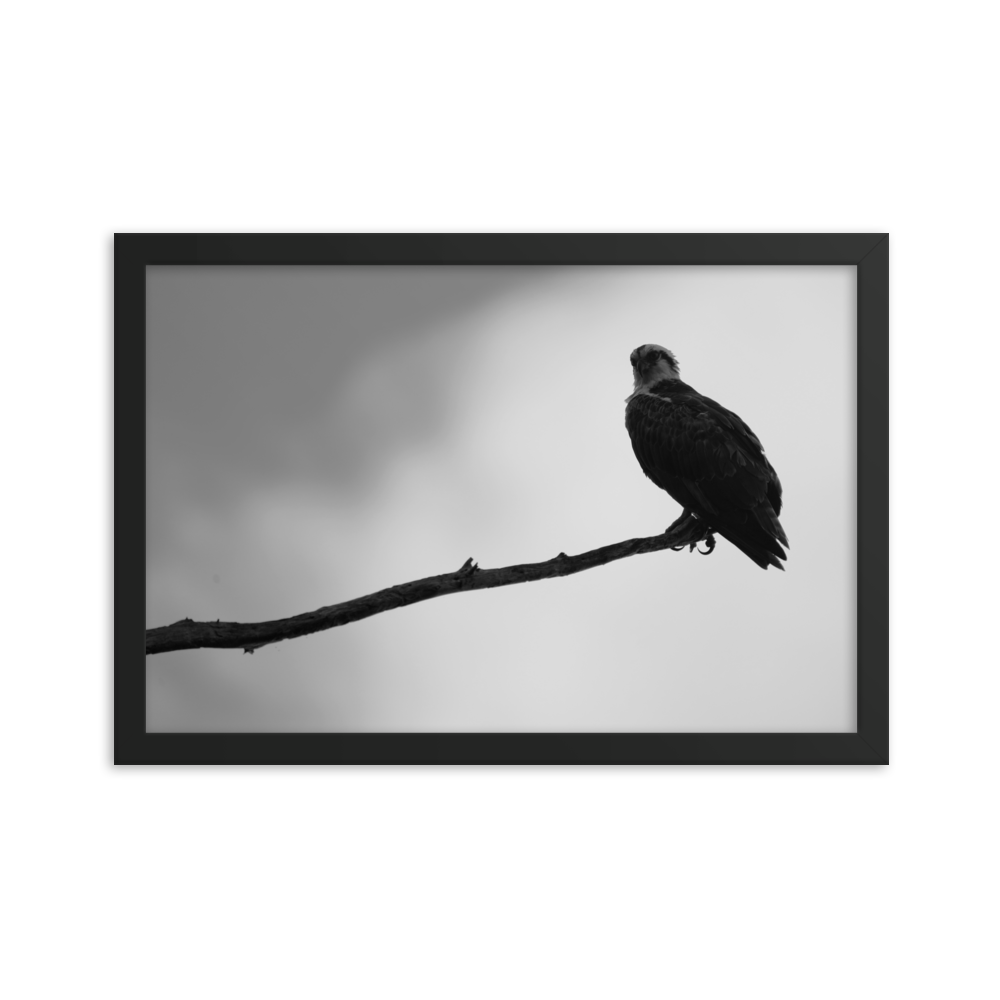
705, 457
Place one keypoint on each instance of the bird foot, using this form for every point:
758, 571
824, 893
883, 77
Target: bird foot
689, 530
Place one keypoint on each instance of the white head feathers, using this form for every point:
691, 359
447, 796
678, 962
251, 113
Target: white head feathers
651, 364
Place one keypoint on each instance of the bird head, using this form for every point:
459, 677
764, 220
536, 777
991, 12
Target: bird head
651, 364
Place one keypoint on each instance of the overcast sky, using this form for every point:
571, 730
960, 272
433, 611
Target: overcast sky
314, 434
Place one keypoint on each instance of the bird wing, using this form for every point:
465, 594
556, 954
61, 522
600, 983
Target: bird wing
714, 454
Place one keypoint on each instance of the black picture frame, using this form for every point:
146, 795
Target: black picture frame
869, 745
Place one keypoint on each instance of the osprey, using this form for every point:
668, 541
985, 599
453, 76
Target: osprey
706, 458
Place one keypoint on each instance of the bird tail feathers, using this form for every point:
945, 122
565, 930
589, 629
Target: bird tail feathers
768, 520
757, 542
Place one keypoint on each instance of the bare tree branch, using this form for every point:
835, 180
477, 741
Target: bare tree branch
686, 531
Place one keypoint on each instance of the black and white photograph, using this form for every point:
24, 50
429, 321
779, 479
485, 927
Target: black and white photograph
316, 434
